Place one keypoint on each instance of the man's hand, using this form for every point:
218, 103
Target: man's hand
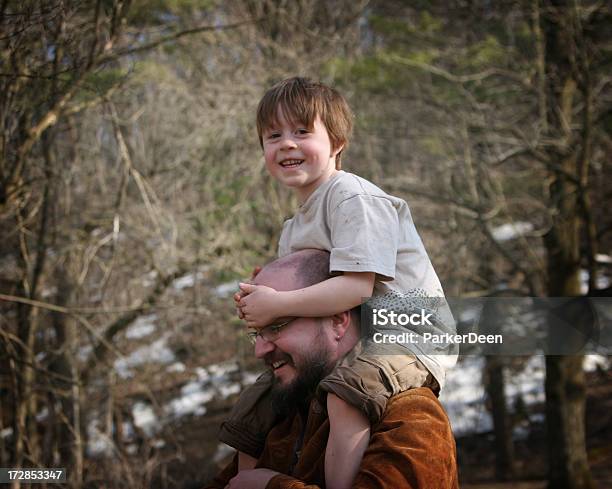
259, 305
251, 479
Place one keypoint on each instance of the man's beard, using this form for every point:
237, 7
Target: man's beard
310, 371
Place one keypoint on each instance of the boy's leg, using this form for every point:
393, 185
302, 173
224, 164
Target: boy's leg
251, 418
367, 381
349, 435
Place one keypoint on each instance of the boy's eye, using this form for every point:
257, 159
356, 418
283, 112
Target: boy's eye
273, 135
303, 131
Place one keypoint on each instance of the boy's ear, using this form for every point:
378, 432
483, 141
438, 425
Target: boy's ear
336, 151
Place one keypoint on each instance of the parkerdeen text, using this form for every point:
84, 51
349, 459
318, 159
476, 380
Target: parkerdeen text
440, 338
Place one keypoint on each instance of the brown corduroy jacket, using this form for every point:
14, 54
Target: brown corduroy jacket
411, 447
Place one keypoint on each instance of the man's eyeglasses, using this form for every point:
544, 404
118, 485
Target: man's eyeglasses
269, 333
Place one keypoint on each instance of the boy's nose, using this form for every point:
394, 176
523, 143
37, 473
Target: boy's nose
262, 347
288, 143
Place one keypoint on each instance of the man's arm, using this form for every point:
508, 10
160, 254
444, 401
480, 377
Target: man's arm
412, 447
262, 305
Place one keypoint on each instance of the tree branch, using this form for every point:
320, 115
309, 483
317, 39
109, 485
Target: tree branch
171, 37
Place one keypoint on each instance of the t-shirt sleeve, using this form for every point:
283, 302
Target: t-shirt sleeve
365, 236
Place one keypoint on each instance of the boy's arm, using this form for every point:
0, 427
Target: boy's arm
262, 305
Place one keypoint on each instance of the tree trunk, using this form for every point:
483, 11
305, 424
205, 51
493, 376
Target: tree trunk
565, 382
502, 427
565, 391
491, 323
67, 390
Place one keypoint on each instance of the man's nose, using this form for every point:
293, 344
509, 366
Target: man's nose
263, 347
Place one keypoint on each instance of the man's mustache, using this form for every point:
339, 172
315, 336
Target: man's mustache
277, 356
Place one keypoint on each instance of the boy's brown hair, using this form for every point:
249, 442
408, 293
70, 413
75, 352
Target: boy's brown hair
303, 100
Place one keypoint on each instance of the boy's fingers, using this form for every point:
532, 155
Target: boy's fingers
247, 288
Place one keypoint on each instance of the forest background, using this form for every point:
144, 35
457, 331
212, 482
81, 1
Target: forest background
133, 196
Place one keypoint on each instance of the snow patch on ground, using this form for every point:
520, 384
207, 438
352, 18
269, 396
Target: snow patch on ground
592, 362
528, 383
84, 352
156, 352
192, 400
214, 381
145, 418
143, 326
225, 290
511, 230
463, 397
177, 367
601, 258
97, 441
602, 281
190, 279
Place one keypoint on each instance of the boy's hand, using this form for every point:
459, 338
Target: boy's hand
258, 304
240, 294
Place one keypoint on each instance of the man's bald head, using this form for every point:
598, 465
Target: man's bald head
299, 270
296, 271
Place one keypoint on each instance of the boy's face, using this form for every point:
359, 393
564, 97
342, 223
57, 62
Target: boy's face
299, 157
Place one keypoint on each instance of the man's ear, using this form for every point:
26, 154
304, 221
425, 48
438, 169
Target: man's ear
340, 323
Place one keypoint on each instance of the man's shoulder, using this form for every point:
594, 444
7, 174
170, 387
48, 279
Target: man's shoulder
417, 419
417, 392
415, 396
412, 445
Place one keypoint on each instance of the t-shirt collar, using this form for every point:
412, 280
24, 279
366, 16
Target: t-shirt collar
313, 197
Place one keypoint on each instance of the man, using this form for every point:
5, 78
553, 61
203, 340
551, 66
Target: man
411, 447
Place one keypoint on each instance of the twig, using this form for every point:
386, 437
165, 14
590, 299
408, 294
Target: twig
73, 310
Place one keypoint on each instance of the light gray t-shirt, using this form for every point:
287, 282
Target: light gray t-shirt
367, 230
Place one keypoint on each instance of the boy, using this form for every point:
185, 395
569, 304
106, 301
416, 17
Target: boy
303, 128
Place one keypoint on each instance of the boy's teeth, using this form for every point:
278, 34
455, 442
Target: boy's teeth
291, 162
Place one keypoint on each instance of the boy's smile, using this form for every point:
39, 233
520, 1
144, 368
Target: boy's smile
299, 157
291, 163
